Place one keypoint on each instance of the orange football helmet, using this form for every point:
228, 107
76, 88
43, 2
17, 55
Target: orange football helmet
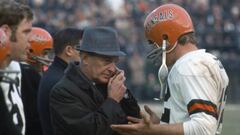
169, 22
40, 41
4, 46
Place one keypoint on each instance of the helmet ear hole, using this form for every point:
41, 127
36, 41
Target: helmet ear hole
31, 50
165, 37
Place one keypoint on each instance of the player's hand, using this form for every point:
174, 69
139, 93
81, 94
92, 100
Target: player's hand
153, 116
132, 120
116, 86
142, 127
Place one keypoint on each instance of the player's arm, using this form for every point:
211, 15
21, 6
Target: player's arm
167, 129
200, 95
146, 127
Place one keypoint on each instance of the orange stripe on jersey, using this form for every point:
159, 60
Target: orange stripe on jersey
202, 106
198, 105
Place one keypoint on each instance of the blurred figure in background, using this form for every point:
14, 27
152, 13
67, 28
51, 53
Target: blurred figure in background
136, 65
41, 43
152, 89
65, 45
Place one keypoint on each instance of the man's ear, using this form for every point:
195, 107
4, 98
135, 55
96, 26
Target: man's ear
6, 29
69, 50
84, 58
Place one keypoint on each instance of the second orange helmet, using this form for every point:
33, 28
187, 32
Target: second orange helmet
40, 40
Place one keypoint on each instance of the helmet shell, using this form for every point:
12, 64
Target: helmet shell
168, 20
40, 40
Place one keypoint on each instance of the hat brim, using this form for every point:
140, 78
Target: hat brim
112, 53
119, 53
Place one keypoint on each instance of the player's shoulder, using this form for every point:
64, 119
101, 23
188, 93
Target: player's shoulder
14, 65
196, 63
13, 70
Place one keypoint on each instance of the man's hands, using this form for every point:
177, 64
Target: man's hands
138, 126
116, 87
153, 116
143, 127
148, 126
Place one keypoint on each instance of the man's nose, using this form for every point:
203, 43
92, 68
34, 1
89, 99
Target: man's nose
28, 45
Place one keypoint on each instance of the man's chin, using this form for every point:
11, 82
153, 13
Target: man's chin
19, 59
104, 80
23, 58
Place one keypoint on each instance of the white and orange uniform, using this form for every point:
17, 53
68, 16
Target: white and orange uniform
12, 95
197, 85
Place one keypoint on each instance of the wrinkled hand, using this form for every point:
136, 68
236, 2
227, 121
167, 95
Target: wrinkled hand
137, 126
153, 116
116, 86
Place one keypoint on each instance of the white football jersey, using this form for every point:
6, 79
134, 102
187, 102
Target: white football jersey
196, 90
12, 95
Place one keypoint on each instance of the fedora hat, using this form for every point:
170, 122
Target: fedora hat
101, 40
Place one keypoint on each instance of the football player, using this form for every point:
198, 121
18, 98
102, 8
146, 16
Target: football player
193, 91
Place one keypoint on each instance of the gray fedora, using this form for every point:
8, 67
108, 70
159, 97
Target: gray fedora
101, 40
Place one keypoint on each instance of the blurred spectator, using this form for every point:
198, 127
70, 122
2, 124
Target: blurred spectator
152, 87
136, 64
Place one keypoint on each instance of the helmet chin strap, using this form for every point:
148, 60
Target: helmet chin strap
174, 46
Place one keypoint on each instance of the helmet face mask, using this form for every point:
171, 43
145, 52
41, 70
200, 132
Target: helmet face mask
40, 41
155, 56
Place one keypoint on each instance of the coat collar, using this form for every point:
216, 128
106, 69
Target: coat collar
58, 62
74, 73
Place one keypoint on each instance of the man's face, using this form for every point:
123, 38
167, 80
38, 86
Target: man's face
21, 46
102, 68
170, 59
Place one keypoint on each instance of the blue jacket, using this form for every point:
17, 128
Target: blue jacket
48, 80
29, 88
